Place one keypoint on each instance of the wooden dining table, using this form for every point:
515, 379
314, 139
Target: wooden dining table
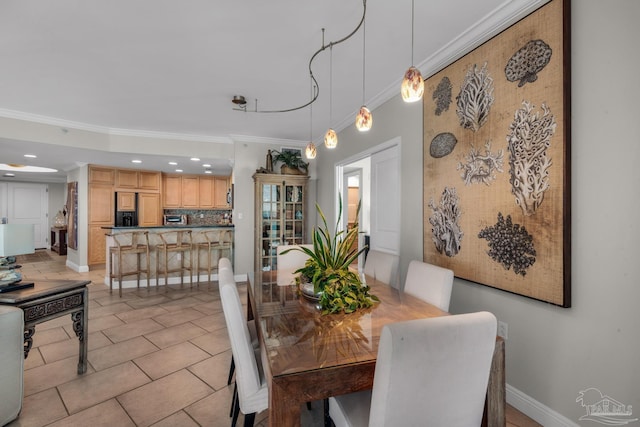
309, 356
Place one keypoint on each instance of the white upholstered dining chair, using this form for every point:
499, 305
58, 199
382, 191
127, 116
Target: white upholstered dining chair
430, 283
226, 275
383, 267
252, 394
292, 260
429, 372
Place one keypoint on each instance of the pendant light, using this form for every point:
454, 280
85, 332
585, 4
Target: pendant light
330, 138
311, 151
412, 87
364, 120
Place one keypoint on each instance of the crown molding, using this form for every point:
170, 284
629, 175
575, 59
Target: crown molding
68, 124
501, 18
267, 140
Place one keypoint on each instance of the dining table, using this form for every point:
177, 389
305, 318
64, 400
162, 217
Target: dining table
309, 356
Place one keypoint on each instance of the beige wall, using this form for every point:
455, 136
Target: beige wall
553, 353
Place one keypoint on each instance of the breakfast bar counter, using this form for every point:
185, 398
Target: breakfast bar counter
221, 236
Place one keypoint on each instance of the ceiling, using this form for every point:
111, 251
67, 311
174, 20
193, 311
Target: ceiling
172, 67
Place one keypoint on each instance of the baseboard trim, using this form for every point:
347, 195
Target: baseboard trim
535, 410
77, 268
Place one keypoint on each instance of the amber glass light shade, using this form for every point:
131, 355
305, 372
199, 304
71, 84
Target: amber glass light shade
412, 87
330, 139
311, 151
364, 120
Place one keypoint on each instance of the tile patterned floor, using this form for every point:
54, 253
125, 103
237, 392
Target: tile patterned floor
155, 359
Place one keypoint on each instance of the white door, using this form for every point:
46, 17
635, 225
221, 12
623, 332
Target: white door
385, 200
29, 204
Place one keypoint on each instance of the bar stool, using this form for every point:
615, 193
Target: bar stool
174, 242
213, 242
128, 243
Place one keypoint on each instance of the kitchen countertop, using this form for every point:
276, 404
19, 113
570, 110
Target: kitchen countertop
172, 227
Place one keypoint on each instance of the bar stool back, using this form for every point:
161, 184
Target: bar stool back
129, 243
174, 242
218, 242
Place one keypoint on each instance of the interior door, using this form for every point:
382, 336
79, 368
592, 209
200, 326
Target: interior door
385, 200
29, 204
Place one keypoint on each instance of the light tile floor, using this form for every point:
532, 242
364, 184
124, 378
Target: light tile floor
155, 359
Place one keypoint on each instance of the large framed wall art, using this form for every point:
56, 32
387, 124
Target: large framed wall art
497, 160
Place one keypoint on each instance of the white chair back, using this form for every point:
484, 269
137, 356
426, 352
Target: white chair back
252, 388
382, 266
224, 263
292, 260
433, 371
430, 283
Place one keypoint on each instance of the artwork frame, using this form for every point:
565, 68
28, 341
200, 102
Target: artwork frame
497, 199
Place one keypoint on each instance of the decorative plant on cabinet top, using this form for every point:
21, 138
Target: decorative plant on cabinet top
292, 162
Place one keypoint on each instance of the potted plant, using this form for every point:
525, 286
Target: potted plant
339, 288
292, 162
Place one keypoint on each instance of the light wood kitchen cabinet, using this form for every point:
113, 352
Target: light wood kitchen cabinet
195, 192
101, 200
126, 178
171, 191
149, 209
101, 175
126, 201
149, 181
190, 192
97, 245
206, 190
221, 187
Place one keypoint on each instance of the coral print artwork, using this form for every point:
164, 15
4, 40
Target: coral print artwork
497, 160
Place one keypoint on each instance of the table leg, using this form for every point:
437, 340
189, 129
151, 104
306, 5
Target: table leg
81, 328
283, 409
28, 339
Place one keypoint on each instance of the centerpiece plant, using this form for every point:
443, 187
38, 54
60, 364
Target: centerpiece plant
339, 288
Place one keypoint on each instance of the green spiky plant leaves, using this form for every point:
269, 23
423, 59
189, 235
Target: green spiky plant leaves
327, 267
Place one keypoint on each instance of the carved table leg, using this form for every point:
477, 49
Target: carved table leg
80, 327
28, 339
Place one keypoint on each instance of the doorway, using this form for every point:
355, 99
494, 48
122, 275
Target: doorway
29, 204
378, 174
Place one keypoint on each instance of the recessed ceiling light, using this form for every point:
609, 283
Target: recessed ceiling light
173, 163
22, 168
31, 156
195, 159
178, 170
9, 175
206, 165
136, 161
207, 171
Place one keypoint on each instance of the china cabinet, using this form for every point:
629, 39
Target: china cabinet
280, 215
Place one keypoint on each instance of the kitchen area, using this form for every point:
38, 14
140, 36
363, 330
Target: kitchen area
126, 200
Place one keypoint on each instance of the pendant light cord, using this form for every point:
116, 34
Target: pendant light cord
315, 82
412, 19
330, 86
364, 55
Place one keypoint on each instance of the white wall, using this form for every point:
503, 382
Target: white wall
391, 120
552, 353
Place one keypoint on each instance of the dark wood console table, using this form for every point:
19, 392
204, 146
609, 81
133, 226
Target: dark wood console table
49, 299
59, 240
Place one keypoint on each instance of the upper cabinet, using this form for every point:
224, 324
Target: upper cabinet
138, 180
100, 175
195, 192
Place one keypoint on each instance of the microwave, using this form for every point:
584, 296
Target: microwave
175, 219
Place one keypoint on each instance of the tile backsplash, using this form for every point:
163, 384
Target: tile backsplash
203, 216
